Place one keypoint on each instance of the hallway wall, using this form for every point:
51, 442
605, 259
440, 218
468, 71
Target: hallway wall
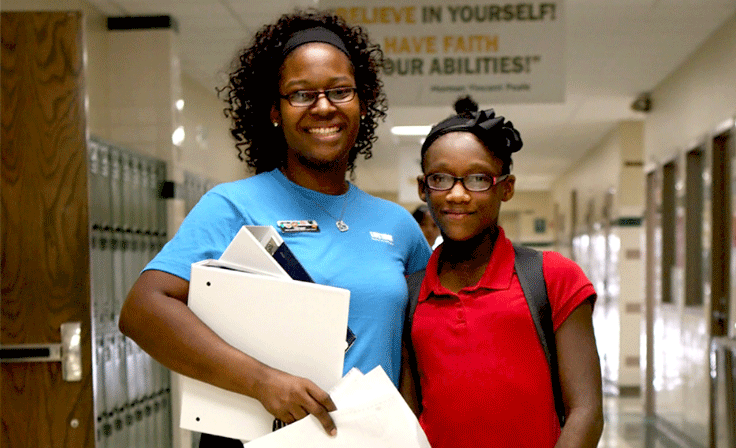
216, 159
695, 98
687, 107
606, 233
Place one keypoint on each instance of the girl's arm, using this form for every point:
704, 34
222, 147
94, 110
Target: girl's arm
580, 379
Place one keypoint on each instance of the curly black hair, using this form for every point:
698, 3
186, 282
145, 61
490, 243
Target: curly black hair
252, 88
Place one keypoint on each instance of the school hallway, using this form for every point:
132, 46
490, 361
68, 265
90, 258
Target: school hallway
630, 172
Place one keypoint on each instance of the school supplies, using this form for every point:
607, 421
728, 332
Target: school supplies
370, 414
252, 303
272, 242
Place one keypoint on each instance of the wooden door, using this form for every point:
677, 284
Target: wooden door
44, 222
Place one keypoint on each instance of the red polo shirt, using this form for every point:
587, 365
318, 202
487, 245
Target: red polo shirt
484, 378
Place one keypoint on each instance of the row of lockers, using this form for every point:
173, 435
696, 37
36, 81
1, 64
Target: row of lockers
117, 260
128, 224
125, 190
132, 396
128, 227
128, 221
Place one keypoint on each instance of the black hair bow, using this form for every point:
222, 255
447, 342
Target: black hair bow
494, 131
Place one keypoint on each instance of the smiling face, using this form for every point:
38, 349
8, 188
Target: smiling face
319, 137
461, 214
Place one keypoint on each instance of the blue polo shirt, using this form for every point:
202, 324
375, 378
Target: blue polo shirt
383, 244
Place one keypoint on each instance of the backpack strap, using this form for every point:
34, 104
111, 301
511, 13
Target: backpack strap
414, 282
528, 265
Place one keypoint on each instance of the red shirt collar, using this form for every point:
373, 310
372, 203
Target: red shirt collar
497, 276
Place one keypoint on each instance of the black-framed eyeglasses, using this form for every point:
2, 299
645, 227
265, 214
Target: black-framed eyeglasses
306, 98
471, 182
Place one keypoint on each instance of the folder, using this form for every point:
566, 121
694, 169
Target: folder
246, 253
294, 326
272, 242
370, 414
276, 258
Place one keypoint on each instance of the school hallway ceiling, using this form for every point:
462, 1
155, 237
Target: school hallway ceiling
615, 51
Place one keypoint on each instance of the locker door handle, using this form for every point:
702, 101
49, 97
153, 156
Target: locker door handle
69, 352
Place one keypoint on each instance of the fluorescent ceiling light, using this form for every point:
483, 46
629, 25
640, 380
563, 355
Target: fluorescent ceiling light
411, 130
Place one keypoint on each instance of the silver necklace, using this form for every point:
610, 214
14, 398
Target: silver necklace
341, 226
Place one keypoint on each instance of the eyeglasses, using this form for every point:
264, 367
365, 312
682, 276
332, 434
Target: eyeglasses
307, 98
471, 182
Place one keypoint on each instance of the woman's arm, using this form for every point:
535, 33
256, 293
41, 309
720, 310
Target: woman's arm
580, 378
155, 315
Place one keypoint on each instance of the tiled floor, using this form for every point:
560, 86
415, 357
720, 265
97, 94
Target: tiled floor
624, 423
626, 427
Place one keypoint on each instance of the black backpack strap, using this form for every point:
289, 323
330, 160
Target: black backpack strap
414, 282
528, 265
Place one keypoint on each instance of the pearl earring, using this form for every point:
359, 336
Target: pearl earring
275, 124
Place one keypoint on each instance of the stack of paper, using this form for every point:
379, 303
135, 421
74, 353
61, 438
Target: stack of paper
253, 304
370, 414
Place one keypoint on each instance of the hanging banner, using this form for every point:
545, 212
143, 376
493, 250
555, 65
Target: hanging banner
438, 51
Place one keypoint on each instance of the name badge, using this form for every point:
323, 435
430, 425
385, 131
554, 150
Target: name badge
301, 225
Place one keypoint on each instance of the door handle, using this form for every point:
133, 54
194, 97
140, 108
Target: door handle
68, 352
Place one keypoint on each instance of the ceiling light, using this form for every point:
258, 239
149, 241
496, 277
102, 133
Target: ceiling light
410, 130
177, 137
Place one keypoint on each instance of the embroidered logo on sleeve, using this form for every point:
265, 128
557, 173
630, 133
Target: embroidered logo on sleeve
389, 239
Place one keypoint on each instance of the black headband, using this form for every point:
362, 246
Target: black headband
315, 34
492, 130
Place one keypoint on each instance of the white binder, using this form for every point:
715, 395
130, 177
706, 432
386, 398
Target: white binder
294, 326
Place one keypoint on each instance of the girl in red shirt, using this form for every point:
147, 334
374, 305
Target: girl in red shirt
481, 371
